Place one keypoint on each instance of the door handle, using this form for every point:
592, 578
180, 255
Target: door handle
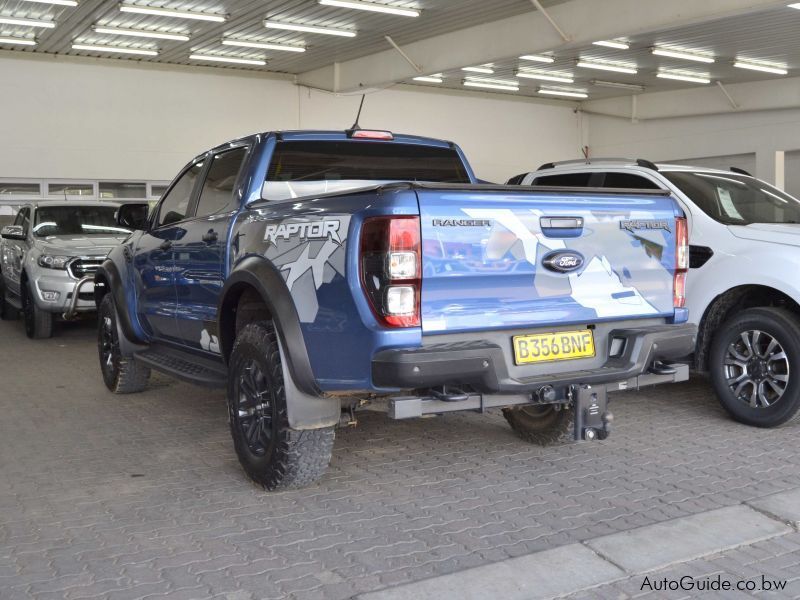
165, 245
210, 237
561, 227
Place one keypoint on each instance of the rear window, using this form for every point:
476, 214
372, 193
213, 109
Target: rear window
628, 181
301, 168
564, 180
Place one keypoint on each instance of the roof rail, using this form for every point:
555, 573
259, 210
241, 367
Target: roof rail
740, 171
590, 161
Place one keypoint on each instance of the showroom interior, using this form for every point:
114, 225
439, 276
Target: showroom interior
423, 211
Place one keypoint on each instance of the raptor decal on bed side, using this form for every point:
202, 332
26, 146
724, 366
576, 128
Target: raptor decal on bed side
309, 254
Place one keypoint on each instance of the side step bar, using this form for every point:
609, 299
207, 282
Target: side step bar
184, 365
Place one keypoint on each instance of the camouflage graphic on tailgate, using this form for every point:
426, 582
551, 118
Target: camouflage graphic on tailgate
309, 254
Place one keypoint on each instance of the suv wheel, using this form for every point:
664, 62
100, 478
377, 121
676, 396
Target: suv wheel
38, 323
755, 366
271, 453
7, 311
121, 374
546, 425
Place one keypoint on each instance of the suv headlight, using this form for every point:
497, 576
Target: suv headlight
53, 262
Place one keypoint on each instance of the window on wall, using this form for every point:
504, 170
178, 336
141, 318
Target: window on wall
20, 189
157, 190
70, 189
122, 190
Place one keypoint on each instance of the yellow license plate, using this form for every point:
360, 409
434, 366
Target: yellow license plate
543, 347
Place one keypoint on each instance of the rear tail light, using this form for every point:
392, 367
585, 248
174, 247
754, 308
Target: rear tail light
390, 262
681, 262
369, 134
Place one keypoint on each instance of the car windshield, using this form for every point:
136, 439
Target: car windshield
76, 220
736, 199
303, 168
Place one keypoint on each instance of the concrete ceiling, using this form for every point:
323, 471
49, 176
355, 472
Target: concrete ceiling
449, 35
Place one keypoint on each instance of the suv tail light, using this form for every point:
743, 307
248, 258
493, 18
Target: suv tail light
681, 262
390, 263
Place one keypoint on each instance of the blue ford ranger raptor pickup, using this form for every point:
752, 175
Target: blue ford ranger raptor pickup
316, 273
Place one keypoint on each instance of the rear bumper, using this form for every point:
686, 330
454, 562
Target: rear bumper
482, 364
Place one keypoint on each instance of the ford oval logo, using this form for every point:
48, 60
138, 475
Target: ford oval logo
563, 261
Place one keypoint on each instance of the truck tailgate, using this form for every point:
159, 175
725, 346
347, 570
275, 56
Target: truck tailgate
498, 258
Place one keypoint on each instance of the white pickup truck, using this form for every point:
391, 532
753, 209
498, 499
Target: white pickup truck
743, 285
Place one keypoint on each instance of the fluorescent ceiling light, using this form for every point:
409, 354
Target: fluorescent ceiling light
538, 58
168, 12
308, 28
493, 84
436, 78
559, 78
703, 58
157, 35
563, 93
18, 41
117, 49
615, 84
484, 70
765, 67
604, 66
27, 22
228, 59
57, 2
263, 45
691, 77
795, 5
371, 6
488, 80
612, 44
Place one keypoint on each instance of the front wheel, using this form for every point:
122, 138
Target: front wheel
38, 322
271, 453
121, 374
545, 425
755, 366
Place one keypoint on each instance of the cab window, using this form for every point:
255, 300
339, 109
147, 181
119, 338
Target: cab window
175, 205
217, 192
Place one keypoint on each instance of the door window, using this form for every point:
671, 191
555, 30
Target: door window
217, 192
175, 204
564, 180
23, 218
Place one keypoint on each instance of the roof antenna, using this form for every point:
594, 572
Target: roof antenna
358, 116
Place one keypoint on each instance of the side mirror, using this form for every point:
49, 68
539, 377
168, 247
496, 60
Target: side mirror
13, 232
133, 215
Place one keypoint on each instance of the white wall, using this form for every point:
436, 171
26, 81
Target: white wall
98, 119
762, 133
118, 119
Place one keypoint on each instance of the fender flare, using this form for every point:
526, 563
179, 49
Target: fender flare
108, 275
306, 407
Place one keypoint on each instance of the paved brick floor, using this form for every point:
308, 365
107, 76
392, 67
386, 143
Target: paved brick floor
139, 496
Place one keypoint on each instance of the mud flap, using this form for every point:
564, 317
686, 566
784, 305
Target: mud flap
303, 410
592, 417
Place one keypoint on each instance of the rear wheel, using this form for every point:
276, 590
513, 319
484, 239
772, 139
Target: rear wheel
271, 453
121, 374
38, 322
7, 311
546, 424
755, 366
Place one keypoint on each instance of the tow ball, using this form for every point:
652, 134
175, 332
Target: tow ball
592, 417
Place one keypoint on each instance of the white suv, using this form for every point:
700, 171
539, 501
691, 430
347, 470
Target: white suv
743, 285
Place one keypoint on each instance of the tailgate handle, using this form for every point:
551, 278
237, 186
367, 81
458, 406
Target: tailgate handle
561, 222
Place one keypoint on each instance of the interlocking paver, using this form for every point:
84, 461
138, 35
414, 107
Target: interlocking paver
144, 490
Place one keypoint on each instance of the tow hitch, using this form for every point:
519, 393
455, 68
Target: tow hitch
592, 417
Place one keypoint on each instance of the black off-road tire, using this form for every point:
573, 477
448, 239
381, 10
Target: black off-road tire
784, 327
7, 311
545, 425
121, 374
272, 453
38, 322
